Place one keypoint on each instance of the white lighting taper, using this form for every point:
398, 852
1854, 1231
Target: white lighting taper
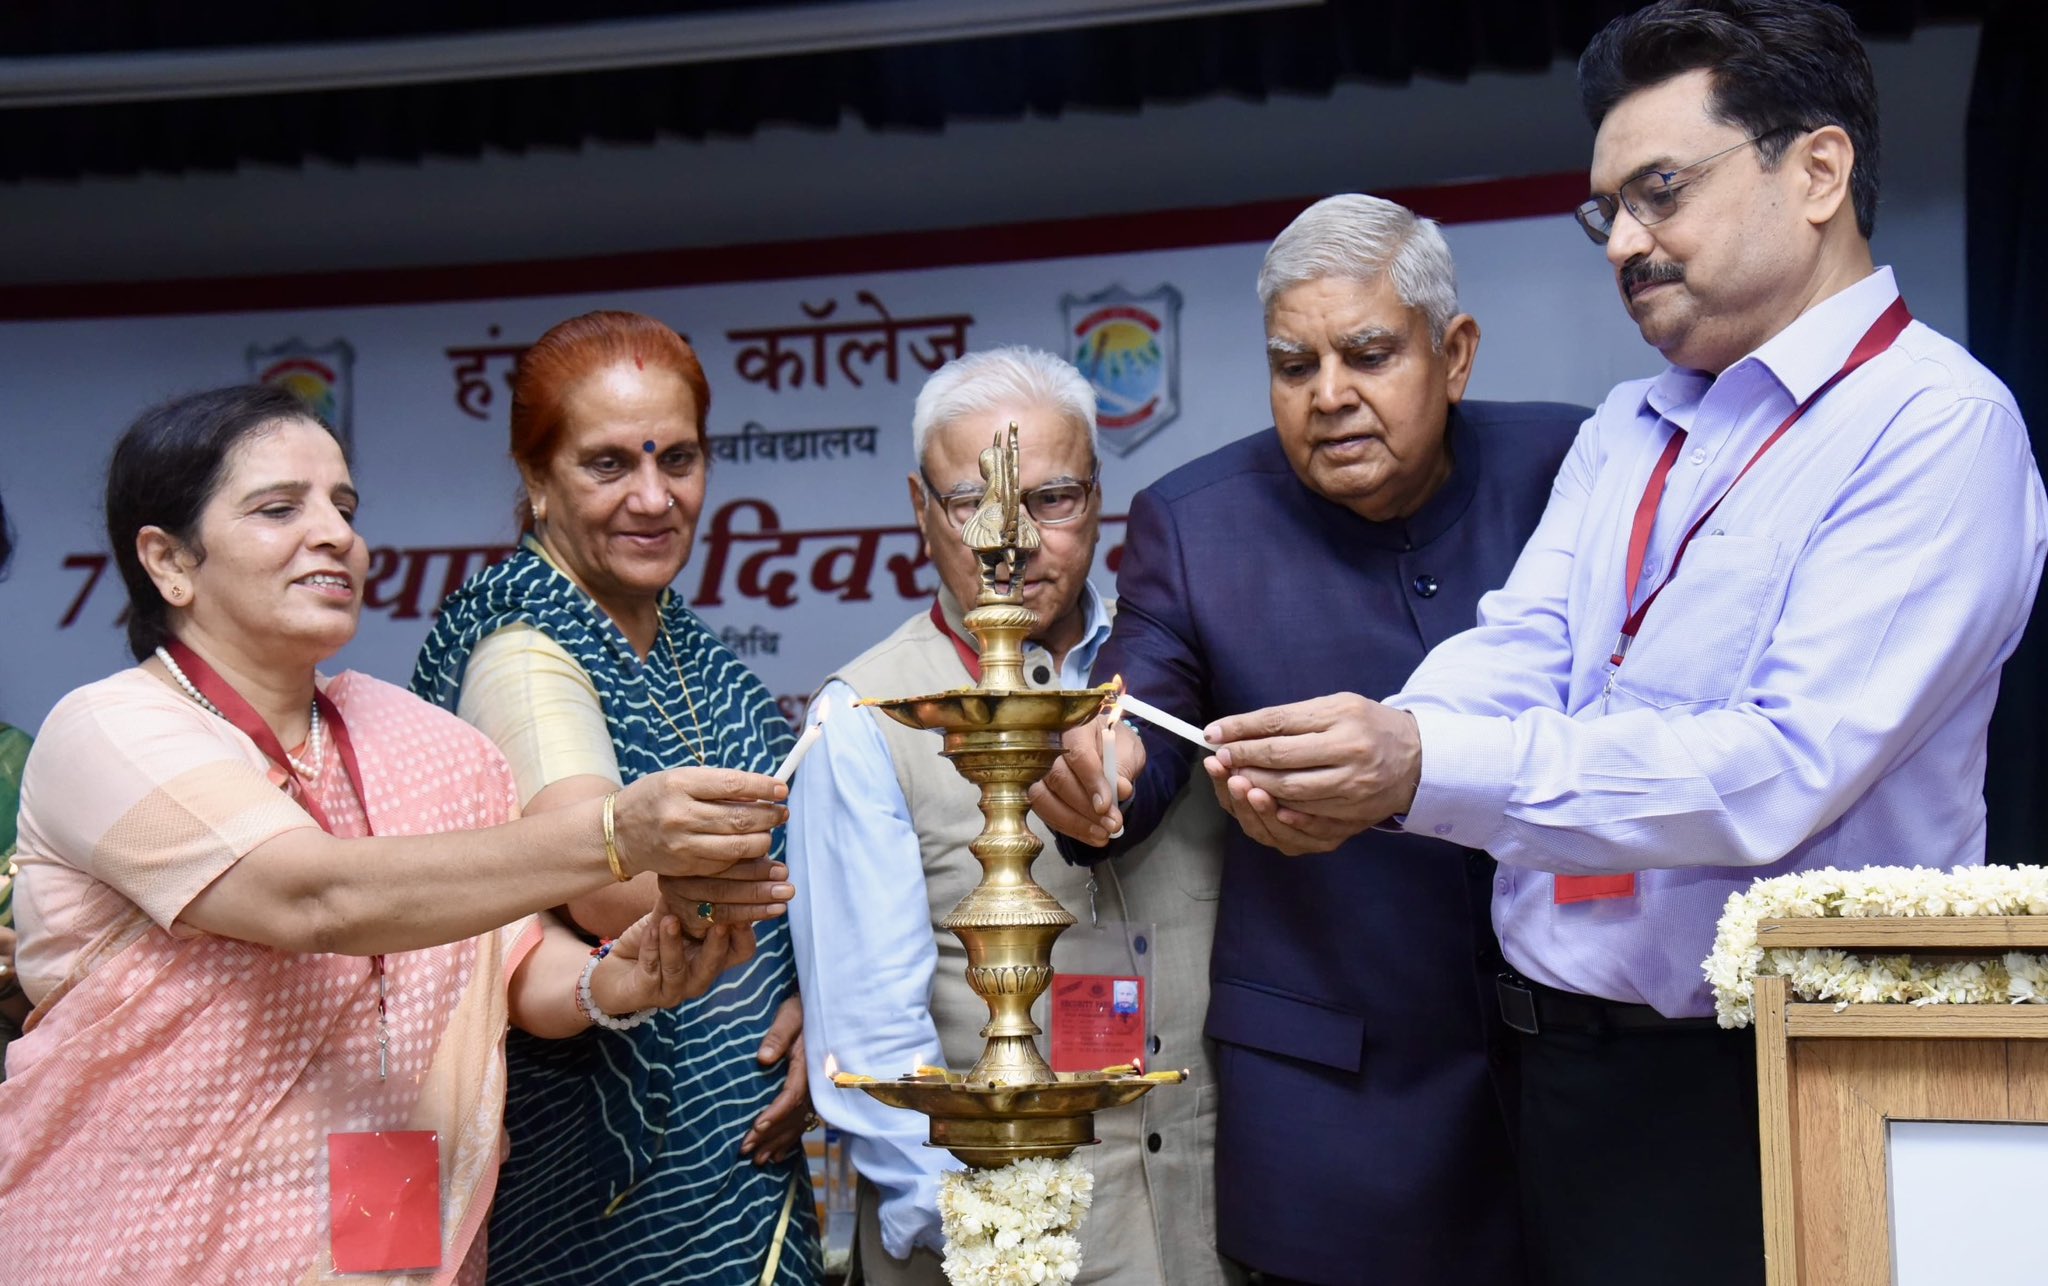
1108, 750
1158, 718
804, 743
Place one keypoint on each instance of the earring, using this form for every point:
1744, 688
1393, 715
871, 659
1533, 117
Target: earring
539, 515
176, 593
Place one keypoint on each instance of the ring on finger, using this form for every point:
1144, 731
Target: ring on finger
705, 912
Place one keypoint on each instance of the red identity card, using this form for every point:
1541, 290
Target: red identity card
384, 1200
1592, 888
1098, 1021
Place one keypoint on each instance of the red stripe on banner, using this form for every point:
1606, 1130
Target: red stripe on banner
1519, 198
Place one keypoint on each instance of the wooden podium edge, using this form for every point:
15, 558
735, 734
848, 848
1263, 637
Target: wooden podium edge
1900, 933
1774, 1131
1780, 1022
1901, 1021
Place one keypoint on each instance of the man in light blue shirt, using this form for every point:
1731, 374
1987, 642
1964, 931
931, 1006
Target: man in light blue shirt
878, 836
1758, 630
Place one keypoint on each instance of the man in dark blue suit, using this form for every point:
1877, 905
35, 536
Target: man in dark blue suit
1361, 1135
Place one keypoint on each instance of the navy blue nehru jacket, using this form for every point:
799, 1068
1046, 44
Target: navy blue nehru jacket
1360, 1132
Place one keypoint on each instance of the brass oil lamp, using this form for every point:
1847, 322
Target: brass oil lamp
1003, 736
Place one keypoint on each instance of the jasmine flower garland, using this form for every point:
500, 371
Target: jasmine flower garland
1738, 958
1015, 1226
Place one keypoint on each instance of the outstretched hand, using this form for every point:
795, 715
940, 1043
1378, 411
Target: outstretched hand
655, 965
1075, 798
690, 822
1306, 777
747, 893
1298, 837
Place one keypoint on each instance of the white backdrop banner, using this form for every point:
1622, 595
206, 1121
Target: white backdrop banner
805, 553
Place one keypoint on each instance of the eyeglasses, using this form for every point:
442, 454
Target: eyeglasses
1653, 197
1056, 503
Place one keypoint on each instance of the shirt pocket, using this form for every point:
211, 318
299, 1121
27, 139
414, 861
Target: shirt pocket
1695, 644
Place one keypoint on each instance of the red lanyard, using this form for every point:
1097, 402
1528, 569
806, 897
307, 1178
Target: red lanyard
250, 724
1875, 340
243, 716
968, 656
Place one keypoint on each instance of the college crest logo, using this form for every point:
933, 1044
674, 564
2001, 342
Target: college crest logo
1128, 347
319, 376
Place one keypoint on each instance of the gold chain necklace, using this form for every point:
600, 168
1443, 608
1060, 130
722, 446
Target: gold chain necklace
675, 660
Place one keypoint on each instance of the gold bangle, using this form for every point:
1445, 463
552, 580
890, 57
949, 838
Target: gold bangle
611, 840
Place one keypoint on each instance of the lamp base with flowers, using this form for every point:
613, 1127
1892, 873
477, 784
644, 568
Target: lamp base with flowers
1016, 1225
1012, 1215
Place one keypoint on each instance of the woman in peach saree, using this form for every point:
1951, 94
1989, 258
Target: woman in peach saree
273, 985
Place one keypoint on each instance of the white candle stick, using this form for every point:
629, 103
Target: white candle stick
1158, 718
1109, 758
804, 743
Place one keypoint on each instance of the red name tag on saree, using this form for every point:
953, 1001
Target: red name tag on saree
1592, 888
384, 1200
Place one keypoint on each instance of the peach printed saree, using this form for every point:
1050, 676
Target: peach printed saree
166, 1115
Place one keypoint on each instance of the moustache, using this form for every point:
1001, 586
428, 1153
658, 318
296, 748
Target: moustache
1644, 273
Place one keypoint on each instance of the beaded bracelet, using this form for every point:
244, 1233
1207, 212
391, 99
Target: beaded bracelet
588, 1003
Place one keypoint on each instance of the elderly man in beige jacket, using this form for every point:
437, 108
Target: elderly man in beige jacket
878, 841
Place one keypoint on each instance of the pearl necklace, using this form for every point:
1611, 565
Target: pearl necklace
316, 746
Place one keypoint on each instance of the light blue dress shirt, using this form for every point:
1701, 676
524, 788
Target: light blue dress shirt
865, 955
1813, 687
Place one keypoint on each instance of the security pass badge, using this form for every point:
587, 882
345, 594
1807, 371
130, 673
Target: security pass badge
384, 1201
1099, 998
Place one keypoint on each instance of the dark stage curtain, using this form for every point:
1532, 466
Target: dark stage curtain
1248, 55
2006, 187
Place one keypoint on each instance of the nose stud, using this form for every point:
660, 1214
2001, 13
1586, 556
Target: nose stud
671, 502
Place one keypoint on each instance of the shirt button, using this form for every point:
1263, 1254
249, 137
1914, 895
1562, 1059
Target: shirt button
1153, 1142
1426, 585
1443, 828
1041, 675
1500, 885
1699, 455
1650, 567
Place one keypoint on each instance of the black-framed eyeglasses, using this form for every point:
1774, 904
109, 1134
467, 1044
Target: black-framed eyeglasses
1655, 195
1053, 504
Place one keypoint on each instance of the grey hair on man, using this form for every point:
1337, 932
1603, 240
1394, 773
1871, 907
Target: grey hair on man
1356, 237
1010, 376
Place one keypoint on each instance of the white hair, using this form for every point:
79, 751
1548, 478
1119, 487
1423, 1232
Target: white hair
1356, 237
1010, 376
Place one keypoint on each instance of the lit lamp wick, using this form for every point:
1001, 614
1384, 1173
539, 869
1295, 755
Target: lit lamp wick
844, 1080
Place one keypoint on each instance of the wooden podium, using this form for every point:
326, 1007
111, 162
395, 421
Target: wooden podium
1828, 1083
